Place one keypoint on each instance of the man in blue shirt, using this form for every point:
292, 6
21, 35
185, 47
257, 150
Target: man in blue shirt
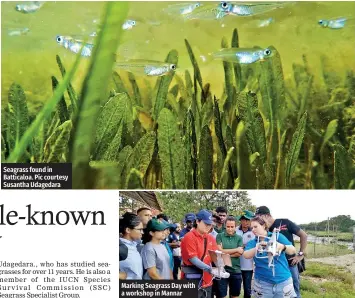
189, 221
174, 243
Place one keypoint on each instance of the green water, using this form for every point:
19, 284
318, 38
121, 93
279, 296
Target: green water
30, 59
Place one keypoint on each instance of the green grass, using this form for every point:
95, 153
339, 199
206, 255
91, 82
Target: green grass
331, 272
340, 236
321, 280
322, 250
309, 287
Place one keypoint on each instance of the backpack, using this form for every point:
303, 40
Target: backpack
123, 251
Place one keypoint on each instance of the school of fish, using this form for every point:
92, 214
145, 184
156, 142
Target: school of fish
214, 11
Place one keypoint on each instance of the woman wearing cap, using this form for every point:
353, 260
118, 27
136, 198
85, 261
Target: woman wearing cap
156, 259
131, 228
267, 284
194, 253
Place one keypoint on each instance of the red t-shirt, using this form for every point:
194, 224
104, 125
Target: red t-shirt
192, 245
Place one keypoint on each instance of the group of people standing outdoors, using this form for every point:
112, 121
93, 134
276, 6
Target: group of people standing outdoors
154, 248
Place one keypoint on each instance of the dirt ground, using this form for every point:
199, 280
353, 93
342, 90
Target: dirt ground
347, 261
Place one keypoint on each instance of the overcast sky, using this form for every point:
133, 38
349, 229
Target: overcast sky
302, 206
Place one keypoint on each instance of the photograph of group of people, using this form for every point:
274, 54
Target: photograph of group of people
152, 247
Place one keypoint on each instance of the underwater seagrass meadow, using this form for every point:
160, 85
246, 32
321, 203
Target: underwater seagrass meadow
252, 96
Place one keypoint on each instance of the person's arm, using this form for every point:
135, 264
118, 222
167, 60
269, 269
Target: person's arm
235, 255
123, 275
230, 251
283, 244
238, 253
250, 249
296, 230
150, 261
240, 248
303, 245
201, 265
289, 249
174, 244
153, 274
250, 253
303, 240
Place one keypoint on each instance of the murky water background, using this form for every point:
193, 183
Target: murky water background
30, 59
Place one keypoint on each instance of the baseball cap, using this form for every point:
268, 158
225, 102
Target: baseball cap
262, 210
170, 225
156, 225
205, 216
190, 217
246, 214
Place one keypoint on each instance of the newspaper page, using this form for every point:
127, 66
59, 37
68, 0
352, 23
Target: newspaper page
182, 109
58, 245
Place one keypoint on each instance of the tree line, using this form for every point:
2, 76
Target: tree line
343, 223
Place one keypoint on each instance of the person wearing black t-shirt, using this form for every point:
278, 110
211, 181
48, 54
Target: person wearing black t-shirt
288, 229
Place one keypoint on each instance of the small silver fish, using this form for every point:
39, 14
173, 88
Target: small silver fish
265, 23
207, 12
75, 45
18, 32
29, 7
146, 67
242, 56
129, 24
248, 9
338, 23
182, 8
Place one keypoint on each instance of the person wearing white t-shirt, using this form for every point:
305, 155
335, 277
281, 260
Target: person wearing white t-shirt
246, 265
